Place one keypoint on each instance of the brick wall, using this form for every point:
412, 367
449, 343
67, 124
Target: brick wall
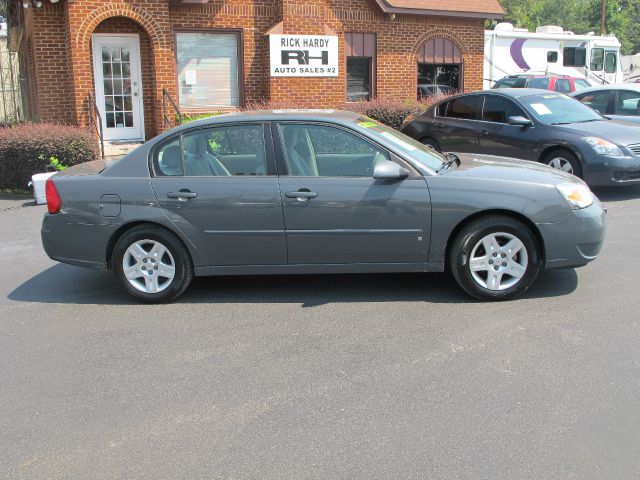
46, 43
61, 34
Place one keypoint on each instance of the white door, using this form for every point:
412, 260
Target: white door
116, 66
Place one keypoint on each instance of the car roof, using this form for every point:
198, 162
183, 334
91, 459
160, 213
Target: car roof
611, 86
285, 114
513, 92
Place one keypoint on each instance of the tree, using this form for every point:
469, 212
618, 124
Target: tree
580, 16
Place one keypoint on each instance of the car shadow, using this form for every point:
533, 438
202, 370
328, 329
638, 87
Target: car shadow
617, 194
69, 285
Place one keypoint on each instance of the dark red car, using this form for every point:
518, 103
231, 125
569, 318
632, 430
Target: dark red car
557, 83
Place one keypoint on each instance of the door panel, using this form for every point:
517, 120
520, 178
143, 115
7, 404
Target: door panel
118, 89
233, 215
357, 220
455, 128
232, 220
497, 137
348, 217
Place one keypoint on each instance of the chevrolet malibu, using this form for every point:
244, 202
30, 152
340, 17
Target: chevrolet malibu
315, 192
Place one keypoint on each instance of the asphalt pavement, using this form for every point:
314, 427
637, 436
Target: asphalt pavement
319, 377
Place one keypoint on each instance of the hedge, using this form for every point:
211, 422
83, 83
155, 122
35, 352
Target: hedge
391, 112
27, 148
388, 111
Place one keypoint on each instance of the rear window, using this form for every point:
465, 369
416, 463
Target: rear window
511, 82
542, 83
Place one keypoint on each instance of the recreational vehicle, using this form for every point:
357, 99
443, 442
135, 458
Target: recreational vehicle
550, 50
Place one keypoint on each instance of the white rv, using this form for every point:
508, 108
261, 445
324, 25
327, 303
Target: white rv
550, 50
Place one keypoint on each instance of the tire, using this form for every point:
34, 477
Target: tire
474, 270
146, 253
563, 160
431, 143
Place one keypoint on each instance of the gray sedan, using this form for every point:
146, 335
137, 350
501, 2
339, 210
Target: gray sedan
619, 101
536, 125
315, 192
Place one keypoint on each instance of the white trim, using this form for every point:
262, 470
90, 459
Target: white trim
97, 67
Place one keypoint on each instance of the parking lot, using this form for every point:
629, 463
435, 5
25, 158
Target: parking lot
358, 376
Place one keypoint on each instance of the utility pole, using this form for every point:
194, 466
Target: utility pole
603, 18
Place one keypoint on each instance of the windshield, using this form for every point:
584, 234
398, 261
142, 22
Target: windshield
558, 109
423, 155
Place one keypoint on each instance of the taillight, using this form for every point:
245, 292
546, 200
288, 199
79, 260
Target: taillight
54, 202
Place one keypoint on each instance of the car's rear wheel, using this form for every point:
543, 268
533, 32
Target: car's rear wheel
495, 258
565, 161
431, 143
152, 264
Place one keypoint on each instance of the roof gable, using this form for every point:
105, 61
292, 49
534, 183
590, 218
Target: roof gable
450, 8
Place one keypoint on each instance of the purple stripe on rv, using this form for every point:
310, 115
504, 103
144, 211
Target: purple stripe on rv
516, 53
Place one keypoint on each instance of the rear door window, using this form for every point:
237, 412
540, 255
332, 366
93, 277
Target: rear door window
220, 151
467, 107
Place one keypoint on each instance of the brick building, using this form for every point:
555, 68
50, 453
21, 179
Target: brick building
131, 57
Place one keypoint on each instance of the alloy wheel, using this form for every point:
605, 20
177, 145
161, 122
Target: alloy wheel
561, 163
498, 261
148, 266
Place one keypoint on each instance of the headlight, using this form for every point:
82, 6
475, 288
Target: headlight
604, 147
577, 195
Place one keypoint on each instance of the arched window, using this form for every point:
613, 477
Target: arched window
439, 67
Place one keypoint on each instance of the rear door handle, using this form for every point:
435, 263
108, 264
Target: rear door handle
301, 195
438, 125
182, 195
484, 132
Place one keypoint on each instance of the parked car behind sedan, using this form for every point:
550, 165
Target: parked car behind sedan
537, 125
315, 192
556, 83
617, 101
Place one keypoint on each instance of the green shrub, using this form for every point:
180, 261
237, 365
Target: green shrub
28, 148
388, 111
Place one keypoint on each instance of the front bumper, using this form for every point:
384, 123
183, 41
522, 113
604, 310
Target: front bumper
602, 171
576, 240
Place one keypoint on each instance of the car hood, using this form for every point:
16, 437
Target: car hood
510, 169
619, 132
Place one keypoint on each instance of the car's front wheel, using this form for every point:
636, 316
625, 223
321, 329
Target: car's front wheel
152, 264
565, 161
495, 258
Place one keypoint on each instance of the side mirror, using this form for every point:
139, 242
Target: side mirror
387, 170
519, 121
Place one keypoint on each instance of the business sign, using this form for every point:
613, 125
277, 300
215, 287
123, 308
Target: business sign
304, 56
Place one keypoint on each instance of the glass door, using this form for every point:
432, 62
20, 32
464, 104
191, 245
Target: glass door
117, 84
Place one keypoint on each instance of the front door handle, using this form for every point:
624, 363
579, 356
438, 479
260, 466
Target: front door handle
438, 125
484, 133
301, 195
182, 195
